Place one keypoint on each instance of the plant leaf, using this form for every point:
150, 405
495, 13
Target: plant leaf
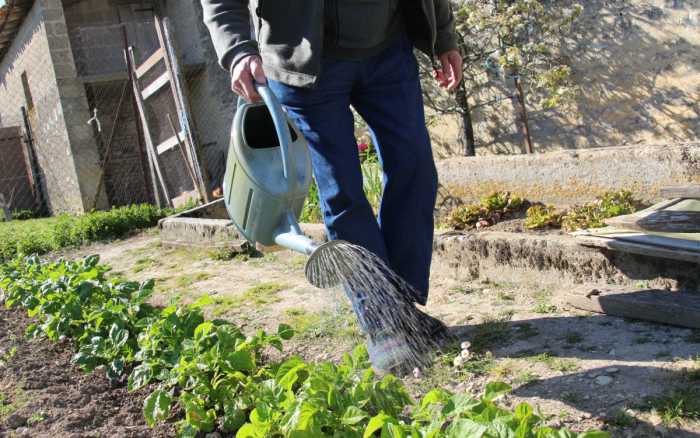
156, 407
495, 390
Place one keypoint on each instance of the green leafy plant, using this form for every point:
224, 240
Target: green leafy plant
491, 210
39, 236
22, 215
593, 215
543, 216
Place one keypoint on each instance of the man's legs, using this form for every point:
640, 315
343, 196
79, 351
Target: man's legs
388, 96
323, 115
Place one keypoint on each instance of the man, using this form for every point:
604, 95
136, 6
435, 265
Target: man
320, 57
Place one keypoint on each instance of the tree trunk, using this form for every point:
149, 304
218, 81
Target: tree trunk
523, 116
466, 136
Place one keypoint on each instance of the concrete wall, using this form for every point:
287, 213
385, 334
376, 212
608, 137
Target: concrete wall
31, 53
571, 177
76, 111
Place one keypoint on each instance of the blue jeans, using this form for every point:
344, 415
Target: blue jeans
385, 90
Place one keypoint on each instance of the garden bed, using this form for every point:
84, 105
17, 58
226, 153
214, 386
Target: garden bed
44, 394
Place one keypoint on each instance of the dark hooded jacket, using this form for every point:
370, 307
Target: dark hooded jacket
288, 34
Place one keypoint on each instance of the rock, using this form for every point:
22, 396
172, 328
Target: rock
612, 370
603, 380
416, 373
611, 352
22, 432
15, 421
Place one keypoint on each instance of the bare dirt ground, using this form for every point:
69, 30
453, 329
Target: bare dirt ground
582, 370
42, 394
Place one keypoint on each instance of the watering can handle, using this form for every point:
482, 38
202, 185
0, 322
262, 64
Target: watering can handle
282, 128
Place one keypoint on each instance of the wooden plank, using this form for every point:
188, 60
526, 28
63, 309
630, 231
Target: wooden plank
667, 221
155, 86
638, 248
168, 144
150, 63
664, 241
107, 77
666, 307
687, 191
182, 103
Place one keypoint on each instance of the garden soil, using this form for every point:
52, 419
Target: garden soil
44, 395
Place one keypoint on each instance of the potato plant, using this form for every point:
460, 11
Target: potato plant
220, 379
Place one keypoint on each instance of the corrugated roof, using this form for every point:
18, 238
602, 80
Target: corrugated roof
12, 14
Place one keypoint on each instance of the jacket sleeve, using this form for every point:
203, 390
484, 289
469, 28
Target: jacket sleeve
446, 36
228, 22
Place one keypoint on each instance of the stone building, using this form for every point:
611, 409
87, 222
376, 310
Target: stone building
64, 83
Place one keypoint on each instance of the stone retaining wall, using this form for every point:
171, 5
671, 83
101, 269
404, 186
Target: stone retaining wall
571, 177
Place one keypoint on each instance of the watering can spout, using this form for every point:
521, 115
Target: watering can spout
290, 236
325, 268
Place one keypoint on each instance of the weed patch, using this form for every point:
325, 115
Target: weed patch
676, 407
489, 333
555, 363
590, 215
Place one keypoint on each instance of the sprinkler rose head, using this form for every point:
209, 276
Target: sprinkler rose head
329, 265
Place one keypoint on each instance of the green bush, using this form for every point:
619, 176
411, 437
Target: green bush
220, 378
593, 215
22, 215
39, 236
492, 209
543, 216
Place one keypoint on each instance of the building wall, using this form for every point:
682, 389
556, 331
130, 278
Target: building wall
76, 111
96, 29
30, 53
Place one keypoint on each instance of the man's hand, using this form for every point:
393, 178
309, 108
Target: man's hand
451, 74
249, 69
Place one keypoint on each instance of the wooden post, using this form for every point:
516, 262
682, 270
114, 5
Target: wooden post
181, 148
467, 133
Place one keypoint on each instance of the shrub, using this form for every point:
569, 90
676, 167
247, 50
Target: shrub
543, 216
492, 209
39, 236
593, 215
22, 215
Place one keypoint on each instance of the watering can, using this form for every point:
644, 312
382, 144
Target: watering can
267, 179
